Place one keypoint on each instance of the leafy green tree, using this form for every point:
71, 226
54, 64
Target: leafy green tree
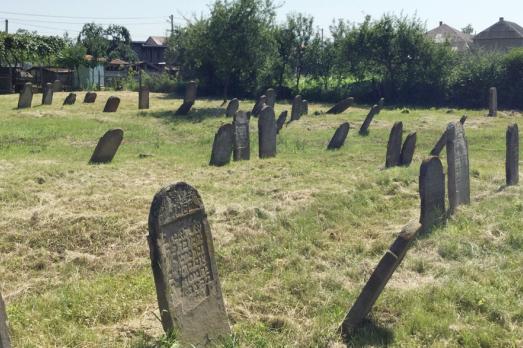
113, 42
302, 30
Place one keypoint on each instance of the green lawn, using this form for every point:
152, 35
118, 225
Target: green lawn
296, 237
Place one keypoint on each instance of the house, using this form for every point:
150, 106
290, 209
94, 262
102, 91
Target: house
458, 40
502, 36
43, 75
152, 51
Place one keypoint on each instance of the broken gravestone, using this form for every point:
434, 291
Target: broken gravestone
70, 99
458, 166
260, 103
143, 98
190, 97
185, 273
341, 106
112, 104
281, 121
26, 96
242, 148
271, 97
267, 133
493, 102
222, 146
394, 146
512, 158
5, 341
364, 130
47, 94
90, 97
107, 146
432, 193
296, 110
232, 108
338, 139
407, 151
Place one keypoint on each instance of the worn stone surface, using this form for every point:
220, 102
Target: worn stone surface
338, 139
364, 129
191, 91
408, 149
242, 147
341, 106
305, 107
47, 94
260, 104
222, 146
70, 99
5, 341
271, 97
184, 268
112, 104
107, 146
297, 105
232, 107
90, 97
512, 157
267, 133
457, 166
143, 98
493, 102
26, 96
394, 145
281, 121
432, 193
57, 86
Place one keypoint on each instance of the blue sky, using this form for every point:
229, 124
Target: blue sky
145, 18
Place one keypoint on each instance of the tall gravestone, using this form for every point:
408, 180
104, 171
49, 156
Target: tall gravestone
232, 107
70, 99
90, 97
305, 107
271, 97
5, 341
143, 98
341, 106
296, 110
47, 95
432, 193
407, 150
107, 146
260, 104
26, 96
222, 146
458, 166
281, 121
267, 133
338, 139
112, 104
393, 156
184, 268
189, 99
512, 158
493, 102
242, 147
364, 129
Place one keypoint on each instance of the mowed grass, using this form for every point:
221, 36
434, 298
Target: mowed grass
296, 237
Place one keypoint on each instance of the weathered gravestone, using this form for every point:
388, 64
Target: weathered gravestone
107, 146
57, 86
512, 158
432, 193
267, 133
232, 108
364, 129
143, 98
5, 341
190, 97
338, 139
222, 146
185, 273
90, 97
26, 96
242, 147
407, 151
112, 104
458, 166
379, 278
394, 146
341, 106
493, 102
381, 104
271, 97
70, 99
463, 119
47, 94
296, 110
442, 142
260, 104
281, 121
305, 107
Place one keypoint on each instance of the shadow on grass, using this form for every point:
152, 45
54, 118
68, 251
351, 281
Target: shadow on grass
370, 334
196, 115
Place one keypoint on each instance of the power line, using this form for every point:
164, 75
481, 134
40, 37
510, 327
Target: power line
75, 23
76, 17
44, 27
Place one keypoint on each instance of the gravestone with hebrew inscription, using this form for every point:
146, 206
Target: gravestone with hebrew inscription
493, 102
90, 97
5, 341
70, 99
512, 157
107, 146
242, 147
185, 273
267, 133
407, 150
364, 129
341, 106
296, 111
338, 139
260, 104
189, 99
281, 121
271, 97
143, 98
47, 94
26, 96
222, 146
393, 156
232, 107
432, 193
457, 166
112, 104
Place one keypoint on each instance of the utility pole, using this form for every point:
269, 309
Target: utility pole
171, 17
7, 26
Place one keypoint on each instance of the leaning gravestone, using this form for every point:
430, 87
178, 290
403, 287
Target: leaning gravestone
432, 193
512, 158
26, 96
267, 133
341, 106
222, 146
463, 119
296, 110
281, 121
242, 147
407, 151
70, 99
260, 103
338, 139
232, 108
364, 130
190, 97
458, 166
271, 97
394, 145
493, 102
305, 107
185, 272
379, 278
47, 95
57, 86
107, 147
5, 341
143, 98
90, 97
442, 142
112, 104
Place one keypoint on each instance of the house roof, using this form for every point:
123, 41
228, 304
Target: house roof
118, 62
156, 41
445, 33
501, 30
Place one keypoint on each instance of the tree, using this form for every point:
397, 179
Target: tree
468, 29
92, 37
284, 38
302, 30
113, 42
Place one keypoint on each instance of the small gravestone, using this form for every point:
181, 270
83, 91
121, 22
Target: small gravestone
222, 146
26, 96
267, 133
90, 97
379, 279
112, 104
512, 158
338, 139
107, 147
70, 99
47, 95
143, 98
260, 103
432, 193
297, 105
341, 106
232, 108
190, 97
394, 145
185, 273
305, 107
242, 147
407, 151
5, 341
493, 102
463, 119
271, 97
364, 130
57, 86
281, 121
381, 103
458, 166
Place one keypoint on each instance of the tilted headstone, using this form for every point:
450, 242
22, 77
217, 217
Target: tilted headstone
232, 108
190, 97
260, 104
407, 151
442, 142
305, 107
267, 133
57, 86
432, 193
493, 102
107, 146
338, 139
5, 341
341, 106
463, 119
185, 272
47, 94
457, 166
364, 129
379, 279
381, 104
281, 121
112, 104
271, 97
222, 146
297, 105
90, 97
242, 146
512, 158
394, 145
26, 96
70, 99
143, 98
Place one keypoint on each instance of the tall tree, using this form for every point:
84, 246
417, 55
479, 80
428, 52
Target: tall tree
302, 30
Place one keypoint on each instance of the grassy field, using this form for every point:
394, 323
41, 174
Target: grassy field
296, 237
